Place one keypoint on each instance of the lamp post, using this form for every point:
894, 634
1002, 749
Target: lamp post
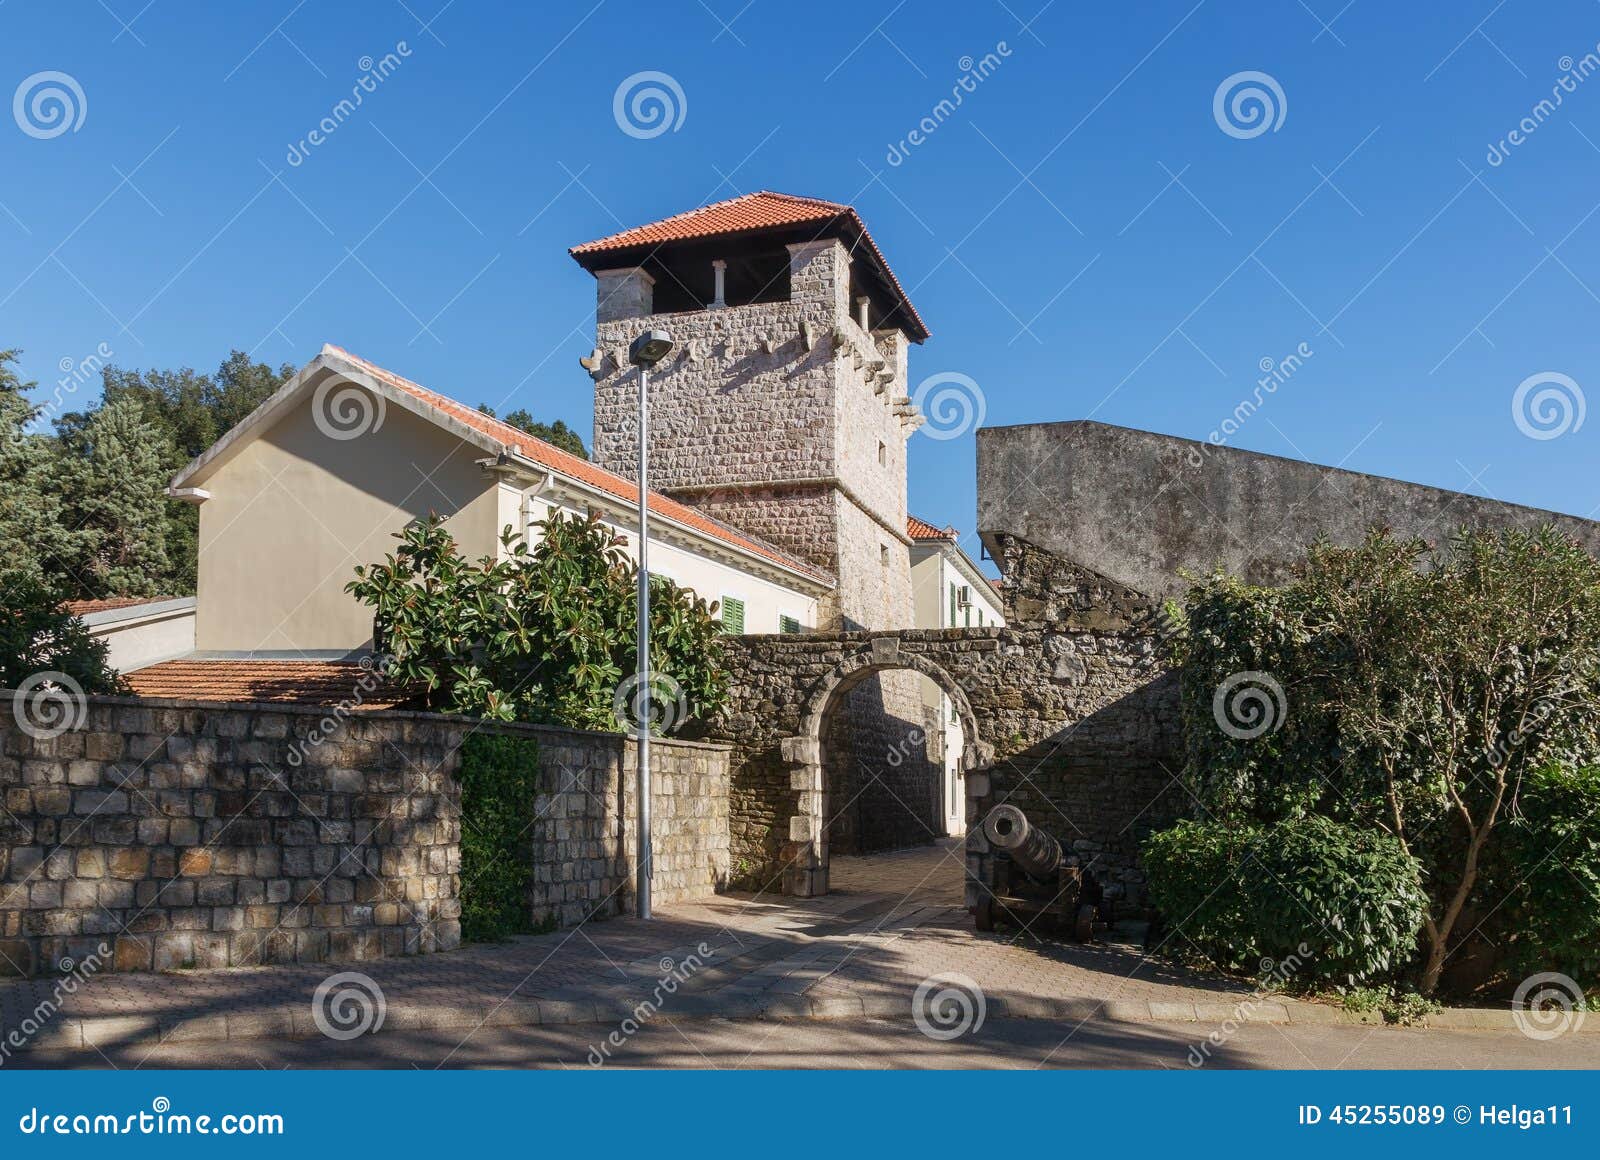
647, 350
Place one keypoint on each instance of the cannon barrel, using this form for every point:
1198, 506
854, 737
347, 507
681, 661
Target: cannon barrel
1031, 849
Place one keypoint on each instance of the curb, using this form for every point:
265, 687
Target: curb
297, 1022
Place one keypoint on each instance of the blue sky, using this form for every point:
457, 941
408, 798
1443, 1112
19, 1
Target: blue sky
1081, 235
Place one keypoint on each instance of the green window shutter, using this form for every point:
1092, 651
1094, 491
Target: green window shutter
732, 615
952, 605
788, 624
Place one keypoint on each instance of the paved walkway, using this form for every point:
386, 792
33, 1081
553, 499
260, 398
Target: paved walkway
891, 922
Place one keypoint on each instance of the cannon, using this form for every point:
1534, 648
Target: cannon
1037, 883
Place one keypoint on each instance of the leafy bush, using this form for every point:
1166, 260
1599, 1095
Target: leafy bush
37, 635
1416, 690
1345, 902
1541, 896
499, 778
541, 633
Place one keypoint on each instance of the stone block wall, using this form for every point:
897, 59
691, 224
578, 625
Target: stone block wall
208, 835
584, 824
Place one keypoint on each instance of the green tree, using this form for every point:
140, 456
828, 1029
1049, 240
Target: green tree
1419, 690
557, 434
35, 538
541, 632
191, 411
114, 474
38, 636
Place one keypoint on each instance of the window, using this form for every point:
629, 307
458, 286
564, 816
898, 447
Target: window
952, 605
788, 624
883, 554
883, 454
732, 615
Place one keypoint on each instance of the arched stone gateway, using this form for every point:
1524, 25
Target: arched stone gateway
805, 855
1070, 713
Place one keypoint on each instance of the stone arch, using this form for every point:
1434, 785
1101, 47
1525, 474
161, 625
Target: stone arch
805, 856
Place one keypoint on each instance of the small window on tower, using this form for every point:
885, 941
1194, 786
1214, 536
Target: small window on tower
883, 554
883, 454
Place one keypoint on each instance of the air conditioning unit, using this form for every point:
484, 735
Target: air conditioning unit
964, 596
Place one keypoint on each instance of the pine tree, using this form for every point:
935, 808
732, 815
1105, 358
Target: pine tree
35, 538
116, 476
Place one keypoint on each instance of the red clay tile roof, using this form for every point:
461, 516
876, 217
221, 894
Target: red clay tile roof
566, 463
289, 682
752, 211
87, 607
923, 530
762, 210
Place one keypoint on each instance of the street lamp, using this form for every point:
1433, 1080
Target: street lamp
648, 349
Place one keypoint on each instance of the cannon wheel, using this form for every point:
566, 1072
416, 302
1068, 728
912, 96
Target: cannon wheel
1083, 928
983, 914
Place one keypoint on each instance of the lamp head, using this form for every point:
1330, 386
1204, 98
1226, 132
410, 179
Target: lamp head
650, 348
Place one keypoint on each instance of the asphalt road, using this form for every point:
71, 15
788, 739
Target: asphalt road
998, 1043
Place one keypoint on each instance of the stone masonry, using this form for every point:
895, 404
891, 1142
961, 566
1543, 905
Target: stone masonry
1069, 711
200, 834
789, 421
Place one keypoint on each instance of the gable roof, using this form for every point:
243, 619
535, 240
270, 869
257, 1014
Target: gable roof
491, 435
754, 213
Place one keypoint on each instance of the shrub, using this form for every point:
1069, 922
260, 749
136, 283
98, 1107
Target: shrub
1541, 897
499, 778
543, 632
1345, 902
1413, 691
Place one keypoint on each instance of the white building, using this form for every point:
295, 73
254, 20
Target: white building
948, 591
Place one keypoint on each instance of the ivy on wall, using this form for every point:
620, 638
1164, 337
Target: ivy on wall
499, 778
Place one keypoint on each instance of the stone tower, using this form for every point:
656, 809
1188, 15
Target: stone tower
783, 409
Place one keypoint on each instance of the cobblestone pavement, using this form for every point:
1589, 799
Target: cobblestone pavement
891, 922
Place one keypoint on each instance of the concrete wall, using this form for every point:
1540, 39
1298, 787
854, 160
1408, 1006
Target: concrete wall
216, 835
144, 634
295, 511
1140, 508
